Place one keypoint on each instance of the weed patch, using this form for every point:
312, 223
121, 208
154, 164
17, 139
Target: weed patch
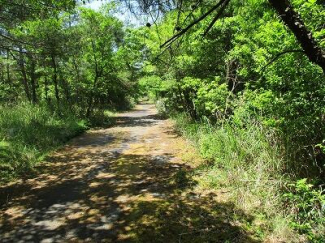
250, 161
28, 132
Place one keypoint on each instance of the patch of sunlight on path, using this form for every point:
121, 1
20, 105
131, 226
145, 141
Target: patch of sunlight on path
128, 183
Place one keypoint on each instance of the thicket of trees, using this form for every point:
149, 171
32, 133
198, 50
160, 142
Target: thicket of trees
61, 66
76, 58
244, 61
249, 77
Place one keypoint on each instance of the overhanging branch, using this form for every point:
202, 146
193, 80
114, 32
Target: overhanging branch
183, 31
222, 9
277, 56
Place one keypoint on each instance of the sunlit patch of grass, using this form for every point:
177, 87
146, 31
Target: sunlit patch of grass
184, 219
28, 133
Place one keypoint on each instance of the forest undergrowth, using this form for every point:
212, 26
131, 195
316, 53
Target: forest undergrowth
250, 163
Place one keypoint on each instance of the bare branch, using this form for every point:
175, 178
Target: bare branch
277, 56
183, 31
222, 9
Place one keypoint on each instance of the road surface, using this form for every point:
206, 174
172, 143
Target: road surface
127, 183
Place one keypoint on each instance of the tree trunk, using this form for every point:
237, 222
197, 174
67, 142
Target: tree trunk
91, 97
21, 63
66, 88
8, 71
302, 34
33, 81
189, 104
55, 79
46, 89
98, 73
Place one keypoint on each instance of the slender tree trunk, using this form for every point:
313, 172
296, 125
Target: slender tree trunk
91, 98
67, 90
8, 70
33, 81
55, 79
189, 104
98, 73
46, 89
66, 87
292, 19
21, 63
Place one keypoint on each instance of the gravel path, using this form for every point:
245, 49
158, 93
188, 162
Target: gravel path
127, 183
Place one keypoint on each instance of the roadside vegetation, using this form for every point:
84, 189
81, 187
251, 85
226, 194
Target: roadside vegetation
250, 165
249, 98
28, 132
244, 81
63, 69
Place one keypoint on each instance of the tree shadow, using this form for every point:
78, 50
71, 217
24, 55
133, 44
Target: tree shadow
96, 190
125, 198
143, 121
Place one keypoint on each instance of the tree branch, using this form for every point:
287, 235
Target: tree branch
222, 9
295, 23
183, 31
277, 56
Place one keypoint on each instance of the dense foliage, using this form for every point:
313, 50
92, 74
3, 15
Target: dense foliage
235, 74
244, 79
70, 64
252, 98
75, 59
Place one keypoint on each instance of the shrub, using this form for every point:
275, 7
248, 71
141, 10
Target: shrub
306, 204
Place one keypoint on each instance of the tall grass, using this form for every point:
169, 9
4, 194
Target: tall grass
250, 156
251, 161
28, 132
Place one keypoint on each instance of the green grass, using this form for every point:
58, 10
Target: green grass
250, 161
29, 132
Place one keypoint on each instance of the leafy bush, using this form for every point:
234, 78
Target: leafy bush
213, 98
101, 118
307, 207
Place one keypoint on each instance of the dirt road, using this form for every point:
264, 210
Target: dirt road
128, 183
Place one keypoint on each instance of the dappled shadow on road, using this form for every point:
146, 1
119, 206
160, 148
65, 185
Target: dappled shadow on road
142, 121
98, 189
133, 198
